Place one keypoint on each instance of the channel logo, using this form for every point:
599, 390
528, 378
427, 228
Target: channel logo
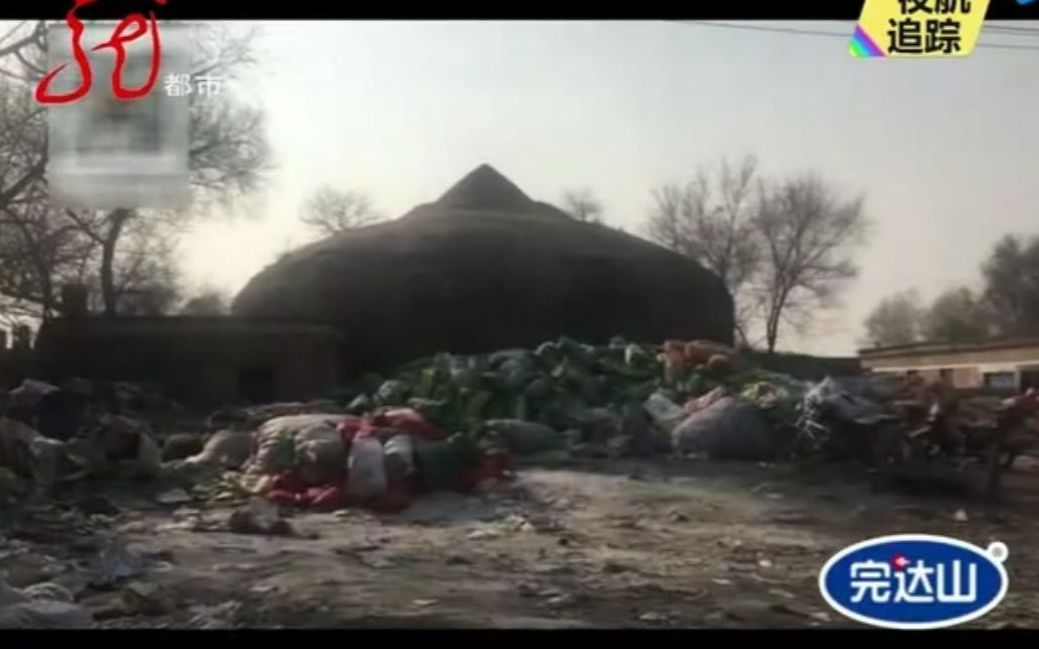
915, 581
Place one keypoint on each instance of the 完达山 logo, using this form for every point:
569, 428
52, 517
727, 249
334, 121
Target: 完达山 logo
915, 581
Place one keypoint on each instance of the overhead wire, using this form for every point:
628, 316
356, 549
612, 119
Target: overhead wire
1012, 29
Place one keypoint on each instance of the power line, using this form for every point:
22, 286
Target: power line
1011, 30
763, 28
789, 30
819, 32
1007, 46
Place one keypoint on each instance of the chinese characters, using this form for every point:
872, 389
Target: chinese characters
903, 581
927, 27
180, 85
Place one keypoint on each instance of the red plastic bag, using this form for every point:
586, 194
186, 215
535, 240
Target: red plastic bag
350, 427
493, 466
327, 498
409, 420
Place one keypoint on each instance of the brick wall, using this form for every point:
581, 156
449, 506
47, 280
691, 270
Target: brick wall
195, 360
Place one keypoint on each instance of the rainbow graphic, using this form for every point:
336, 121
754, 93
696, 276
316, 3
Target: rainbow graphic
862, 46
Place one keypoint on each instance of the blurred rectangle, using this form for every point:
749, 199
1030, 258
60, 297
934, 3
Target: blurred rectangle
108, 153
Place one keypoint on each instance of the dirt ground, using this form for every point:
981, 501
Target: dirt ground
595, 544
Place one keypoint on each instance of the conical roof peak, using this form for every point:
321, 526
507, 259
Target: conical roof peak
485, 188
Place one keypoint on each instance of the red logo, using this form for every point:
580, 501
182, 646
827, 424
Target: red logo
135, 21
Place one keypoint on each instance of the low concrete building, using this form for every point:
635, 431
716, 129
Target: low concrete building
1009, 365
202, 361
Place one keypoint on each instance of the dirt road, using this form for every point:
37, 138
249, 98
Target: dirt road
597, 545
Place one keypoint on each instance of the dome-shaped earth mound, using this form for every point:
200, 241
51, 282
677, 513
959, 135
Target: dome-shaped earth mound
486, 268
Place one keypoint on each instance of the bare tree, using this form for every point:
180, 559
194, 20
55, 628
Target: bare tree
38, 254
23, 143
1011, 275
897, 320
956, 316
712, 220
808, 234
331, 211
583, 206
21, 51
144, 270
228, 155
39, 250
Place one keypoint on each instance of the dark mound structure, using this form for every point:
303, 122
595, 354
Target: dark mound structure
486, 268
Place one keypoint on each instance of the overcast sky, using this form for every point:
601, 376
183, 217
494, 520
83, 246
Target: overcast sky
941, 150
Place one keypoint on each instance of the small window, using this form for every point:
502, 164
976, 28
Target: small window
1000, 380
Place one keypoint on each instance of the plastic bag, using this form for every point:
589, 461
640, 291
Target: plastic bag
367, 469
409, 420
728, 429
442, 465
664, 412
524, 437
402, 448
705, 401
228, 449
392, 393
844, 401
276, 444
320, 453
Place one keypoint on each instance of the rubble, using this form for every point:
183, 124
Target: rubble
259, 517
181, 446
149, 600
45, 615
27, 453
45, 606
173, 497
117, 563
220, 616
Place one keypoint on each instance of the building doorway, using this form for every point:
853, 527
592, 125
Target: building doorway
1029, 378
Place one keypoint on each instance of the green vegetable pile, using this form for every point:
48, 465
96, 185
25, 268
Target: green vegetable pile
545, 385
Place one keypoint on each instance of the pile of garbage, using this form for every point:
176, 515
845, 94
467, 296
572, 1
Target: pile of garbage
53, 435
380, 461
622, 398
906, 428
454, 422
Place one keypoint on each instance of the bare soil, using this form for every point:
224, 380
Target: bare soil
594, 544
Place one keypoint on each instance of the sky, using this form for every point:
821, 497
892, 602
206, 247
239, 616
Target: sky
940, 149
